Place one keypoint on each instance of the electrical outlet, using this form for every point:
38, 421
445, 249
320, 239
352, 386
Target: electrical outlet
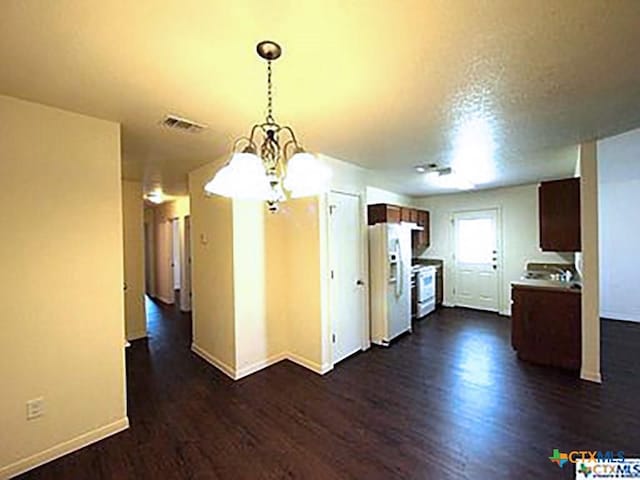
35, 408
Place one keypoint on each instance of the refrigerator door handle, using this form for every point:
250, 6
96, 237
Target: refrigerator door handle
400, 282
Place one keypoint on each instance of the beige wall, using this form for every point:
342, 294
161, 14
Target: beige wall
212, 274
254, 344
267, 270
589, 263
518, 208
63, 306
276, 280
301, 298
133, 236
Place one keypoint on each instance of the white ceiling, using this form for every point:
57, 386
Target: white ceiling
497, 89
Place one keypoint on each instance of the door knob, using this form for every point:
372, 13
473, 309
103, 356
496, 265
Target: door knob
359, 283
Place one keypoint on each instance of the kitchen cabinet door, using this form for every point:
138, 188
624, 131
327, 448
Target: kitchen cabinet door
559, 215
423, 235
546, 327
383, 213
405, 214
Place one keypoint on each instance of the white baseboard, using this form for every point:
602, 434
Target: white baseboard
219, 364
253, 368
313, 366
237, 374
609, 315
591, 376
137, 335
63, 448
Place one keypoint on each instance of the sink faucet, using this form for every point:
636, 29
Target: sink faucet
564, 275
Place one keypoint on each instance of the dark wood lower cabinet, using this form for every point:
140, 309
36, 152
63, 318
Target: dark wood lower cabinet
546, 326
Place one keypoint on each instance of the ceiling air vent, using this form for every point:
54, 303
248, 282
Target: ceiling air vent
178, 123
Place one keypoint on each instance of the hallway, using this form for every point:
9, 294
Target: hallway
449, 401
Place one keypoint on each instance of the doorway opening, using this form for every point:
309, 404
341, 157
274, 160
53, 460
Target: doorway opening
347, 292
477, 259
167, 259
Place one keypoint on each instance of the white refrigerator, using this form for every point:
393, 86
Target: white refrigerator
390, 281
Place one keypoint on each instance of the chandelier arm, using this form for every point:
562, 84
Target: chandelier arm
253, 133
241, 139
293, 135
286, 146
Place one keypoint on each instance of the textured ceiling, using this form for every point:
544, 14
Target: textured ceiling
497, 89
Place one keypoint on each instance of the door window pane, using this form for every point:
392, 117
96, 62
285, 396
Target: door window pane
475, 240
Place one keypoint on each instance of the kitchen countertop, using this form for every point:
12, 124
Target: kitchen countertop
553, 285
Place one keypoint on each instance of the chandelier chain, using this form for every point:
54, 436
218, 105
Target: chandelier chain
270, 118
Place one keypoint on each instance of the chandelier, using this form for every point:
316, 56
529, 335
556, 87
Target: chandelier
269, 161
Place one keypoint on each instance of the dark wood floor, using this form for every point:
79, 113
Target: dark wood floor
449, 401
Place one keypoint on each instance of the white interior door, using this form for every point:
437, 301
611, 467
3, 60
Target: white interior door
347, 291
148, 261
175, 252
476, 259
185, 291
164, 262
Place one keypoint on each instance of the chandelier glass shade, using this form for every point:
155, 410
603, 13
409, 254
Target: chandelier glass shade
270, 162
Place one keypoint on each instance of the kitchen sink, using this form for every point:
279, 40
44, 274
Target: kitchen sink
545, 275
537, 275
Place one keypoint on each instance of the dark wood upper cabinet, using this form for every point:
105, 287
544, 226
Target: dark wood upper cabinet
559, 210
421, 239
405, 214
383, 213
409, 214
